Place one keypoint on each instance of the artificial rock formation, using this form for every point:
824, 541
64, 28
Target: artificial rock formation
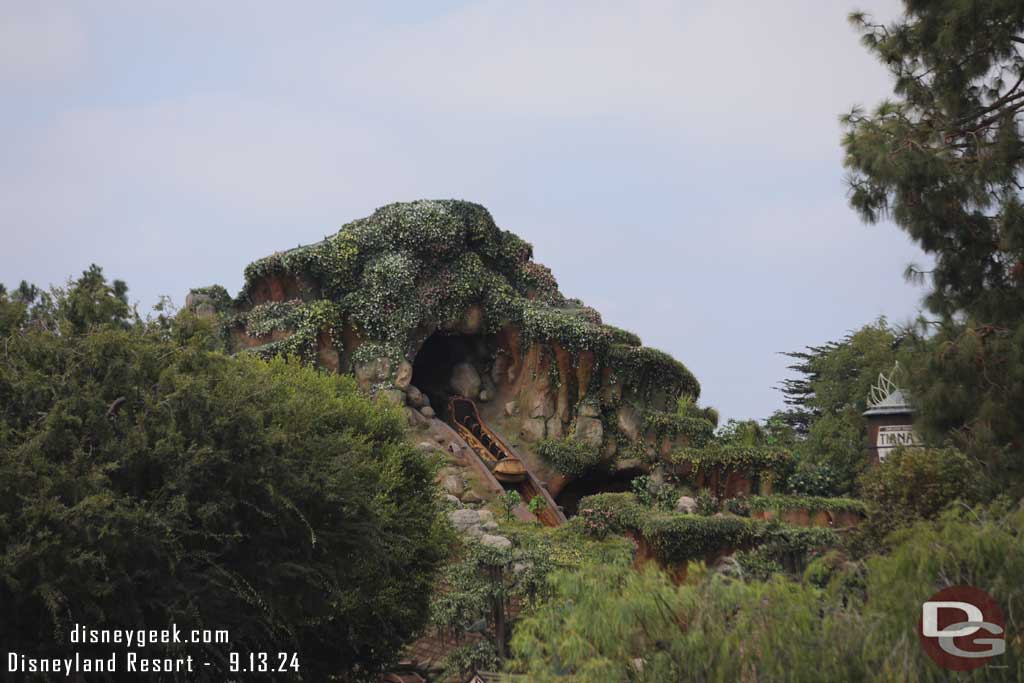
427, 299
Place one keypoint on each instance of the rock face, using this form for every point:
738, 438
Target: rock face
430, 298
590, 431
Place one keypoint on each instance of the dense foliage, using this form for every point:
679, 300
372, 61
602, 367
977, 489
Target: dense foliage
147, 481
916, 483
570, 457
825, 405
676, 538
943, 158
609, 623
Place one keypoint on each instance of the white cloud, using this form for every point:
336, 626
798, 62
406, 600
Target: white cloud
731, 71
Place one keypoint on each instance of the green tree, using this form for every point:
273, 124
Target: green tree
145, 482
827, 399
943, 158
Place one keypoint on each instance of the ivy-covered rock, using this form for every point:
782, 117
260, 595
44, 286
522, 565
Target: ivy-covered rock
368, 299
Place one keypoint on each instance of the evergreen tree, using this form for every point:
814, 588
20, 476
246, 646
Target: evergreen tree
943, 159
827, 402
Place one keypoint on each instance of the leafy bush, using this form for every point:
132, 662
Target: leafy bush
651, 493
757, 564
570, 457
509, 501
916, 483
537, 505
732, 457
470, 657
707, 503
677, 538
811, 503
814, 480
166, 484
698, 430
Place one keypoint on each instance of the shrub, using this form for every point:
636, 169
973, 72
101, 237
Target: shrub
733, 457
914, 484
814, 480
537, 505
811, 503
707, 503
570, 457
509, 501
470, 657
165, 484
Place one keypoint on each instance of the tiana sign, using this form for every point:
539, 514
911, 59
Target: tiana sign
892, 436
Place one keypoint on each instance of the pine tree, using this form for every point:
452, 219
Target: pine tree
943, 159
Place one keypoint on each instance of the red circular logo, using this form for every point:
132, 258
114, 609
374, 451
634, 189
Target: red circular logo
962, 628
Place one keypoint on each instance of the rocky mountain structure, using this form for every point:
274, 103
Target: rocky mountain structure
428, 299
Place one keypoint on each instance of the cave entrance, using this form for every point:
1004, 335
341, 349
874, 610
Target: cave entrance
619, 481
433, 366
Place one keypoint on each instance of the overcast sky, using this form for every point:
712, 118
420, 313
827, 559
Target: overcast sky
676, 164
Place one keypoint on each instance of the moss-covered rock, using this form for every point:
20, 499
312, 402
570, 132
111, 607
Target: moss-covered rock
366, 299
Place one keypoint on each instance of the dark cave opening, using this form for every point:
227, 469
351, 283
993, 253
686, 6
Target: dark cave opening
597, 482
433, 366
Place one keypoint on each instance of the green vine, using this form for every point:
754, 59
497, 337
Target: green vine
570, 457
732, 457
670, 425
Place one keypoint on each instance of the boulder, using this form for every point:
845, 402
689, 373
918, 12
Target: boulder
403, 375
590, 431
465, 380
471, 497
396, 396
426, 447
555, 428
489, 526
427, 411
462, 520
511, 408
452, 500
415, 397
485, 396
485, 516
686, 504
499, 542
372, 371
589, 409
453, 484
